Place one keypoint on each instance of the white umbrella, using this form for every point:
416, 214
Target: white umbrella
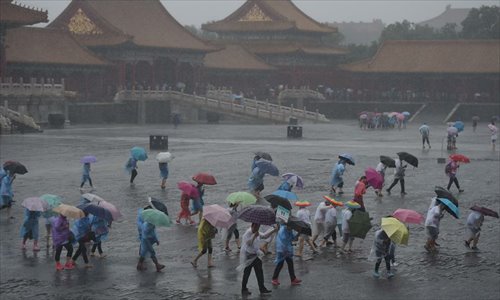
164, 157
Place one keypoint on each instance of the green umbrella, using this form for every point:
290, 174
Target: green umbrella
243, 198
156, 217
359, 224
53, 201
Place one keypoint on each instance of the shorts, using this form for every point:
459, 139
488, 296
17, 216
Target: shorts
318, 228
472, 232
346, 237
432, 232
196, 205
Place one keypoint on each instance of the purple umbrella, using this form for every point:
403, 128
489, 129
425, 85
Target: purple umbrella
374, 178
294, 179
89, 159
258, 214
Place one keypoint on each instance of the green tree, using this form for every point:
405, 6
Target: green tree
482, 23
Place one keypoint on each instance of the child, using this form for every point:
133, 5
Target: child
330, 224
284, 252
304, 215
197, 204
100, 229
381, 167
233, 229
82, 232
62, 237
163, 174
184, 213
6, 193
381, 249
474, 223
256, 182
451, 170
148, 238
319, 220
337, 181
29, 229
432, 221
206, 232
86, 175
494, 134
346, 236
359, 191
287, 185
131, 167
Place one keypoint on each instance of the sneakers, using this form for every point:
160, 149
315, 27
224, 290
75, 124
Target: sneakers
403, 193
159, 267
475, 248
265, 291
192, 223
390, 275
177, 222
23, 246
467, 244
245, 291
460, 191
296, 281
59, 266
388, 191
69, 265
376, 274
275, 282
36, 248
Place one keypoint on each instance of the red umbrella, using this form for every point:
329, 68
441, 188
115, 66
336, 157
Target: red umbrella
408, 216
485, 211
374, 178
188, 188
205, 178
460, 158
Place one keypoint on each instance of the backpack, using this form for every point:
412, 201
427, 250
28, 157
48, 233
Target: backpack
447, 169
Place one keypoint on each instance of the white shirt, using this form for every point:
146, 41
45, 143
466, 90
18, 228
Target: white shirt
346, 216
381, 168
319, 217
304, 215
331, 216
247, 246
475, 219
433, 217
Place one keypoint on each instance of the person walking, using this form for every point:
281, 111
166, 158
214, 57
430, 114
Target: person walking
86, 176
359, 191
148, 238
6, 193
131, 167
184, 213
233, 230
434, 216
82, 232
381, 249
494, 134
163, 166
380, 168
284, 252
304, 215
346, 232
29, 228
319, 220
425, 133
330, 224
474, 222
206, 232
451, 170
62, 237
399, 175
100, 230
337, 182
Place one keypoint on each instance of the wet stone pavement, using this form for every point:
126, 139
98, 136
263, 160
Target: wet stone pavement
53, 157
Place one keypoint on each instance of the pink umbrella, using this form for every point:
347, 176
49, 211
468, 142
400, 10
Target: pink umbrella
408, 216
115, 212
374, 178
188, 188
218, 216
35, 204
400, 117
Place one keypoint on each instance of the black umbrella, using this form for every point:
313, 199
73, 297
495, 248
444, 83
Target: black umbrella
97, 211
412, 160
264, 155
157, 204
299, 226
444, 193
388, 161
277, 200
15, 167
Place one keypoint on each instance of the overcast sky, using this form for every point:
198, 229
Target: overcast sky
197, 12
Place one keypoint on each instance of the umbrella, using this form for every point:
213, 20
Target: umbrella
452, 130
412, 160
164, 157
290, 196
405, 113
264, 155
92, 197
395, 230
299, 226
115, 212
492, 127
155, 217
157, 204
444, 193
138, 153
388, 161
52, 200
400, 117
363, 116
460, 158
334, 202
392, 114
243, 198
69, 211
408, 216
459, 125
348, 158
294, 179
374, 178
88, 159
258, 214
205, 178
15, 167
359, 224
276, 200
485, 211
302, 203
218, 216
35, 204
188, 189
450, 207
475, 118
97, 211
267, 167
352, 204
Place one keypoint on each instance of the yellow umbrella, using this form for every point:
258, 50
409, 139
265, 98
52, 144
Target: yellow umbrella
69, 211
395, 230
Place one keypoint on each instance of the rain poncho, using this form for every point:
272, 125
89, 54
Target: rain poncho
100, 228
60, 231
249, 250
284, 247
337, 172
424, 130
139, 222
256, 179
285, 186
148, 238
184, 213
81, 229
451, 168
86, 171
381, 245
29, 229
6, 194
163, 170
475, 221
131, 164
206, 232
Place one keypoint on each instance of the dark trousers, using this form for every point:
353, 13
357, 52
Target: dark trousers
81, 250
402, 182
387, 263
59, 248
425, 139
279, 266
257, 266
83, 182
453, 179
96, 246
133, 175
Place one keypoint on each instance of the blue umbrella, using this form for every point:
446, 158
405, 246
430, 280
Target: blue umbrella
267, 167
290, 196
450, 207
459, 125
348, 158
138, 153
97, 211
405, 113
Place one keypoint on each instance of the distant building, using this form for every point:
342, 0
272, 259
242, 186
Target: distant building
450, 15
360, 33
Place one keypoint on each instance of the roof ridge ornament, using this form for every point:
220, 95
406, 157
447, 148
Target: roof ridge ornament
255, 14
80, 24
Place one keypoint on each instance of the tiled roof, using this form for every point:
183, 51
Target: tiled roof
30, 45
268, 15
450, 15
12, 14
235, 57
436, 56
291, 47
